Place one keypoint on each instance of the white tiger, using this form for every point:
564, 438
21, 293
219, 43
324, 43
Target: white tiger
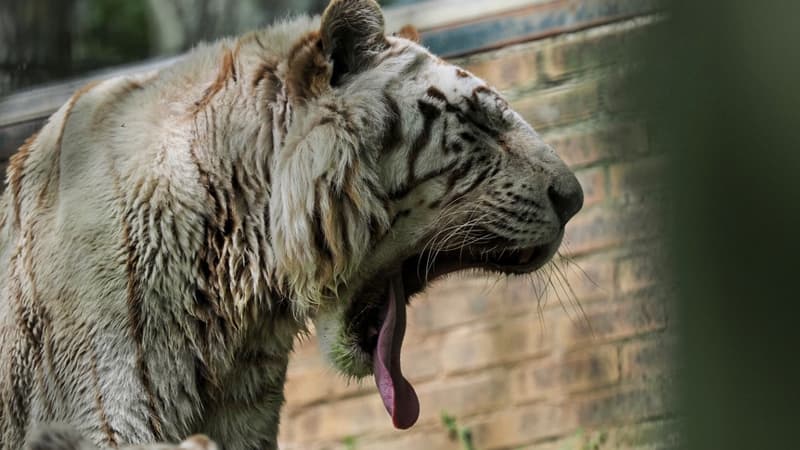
164, 238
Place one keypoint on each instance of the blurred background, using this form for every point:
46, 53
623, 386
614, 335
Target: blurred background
44, 40
669, 319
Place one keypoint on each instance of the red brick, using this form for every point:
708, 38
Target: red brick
594, 229
336, 420
612, 322
559, 106
633, 181
454, 302
573, 441
306, 356
434, 439
584, 145
463, 396
591, 50
589, 278
512, 428
648, 359
320, 382
482, 298
309, 387
638, 272
510, 68
474, 348
603, 226
578, 371
593, 182
661, 435
366, 415
624, 405
421, 361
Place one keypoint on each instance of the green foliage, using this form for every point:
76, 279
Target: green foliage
591, 442
349, 443
109, 32
462, 434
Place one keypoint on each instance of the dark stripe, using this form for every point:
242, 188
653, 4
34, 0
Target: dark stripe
461, 73
135, 319
469, 137
508, 226
464, 117
258, 41
227, 70
437, 94
103, 108
400, 215
480, 90
393, 126
524, 200
525, 218
406, 188
460, 172
429, 114
137, 330
39, 323
475, 183
20, 370
16, 170
32, 324
54, 173
100, 404
320, 242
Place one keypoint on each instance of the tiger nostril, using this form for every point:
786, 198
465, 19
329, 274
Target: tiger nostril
566, 195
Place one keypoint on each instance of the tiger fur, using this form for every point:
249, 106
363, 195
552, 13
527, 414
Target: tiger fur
165, 237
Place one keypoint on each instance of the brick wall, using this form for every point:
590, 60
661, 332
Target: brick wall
515, 360
521, 366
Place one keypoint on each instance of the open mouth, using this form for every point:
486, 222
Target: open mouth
378, 317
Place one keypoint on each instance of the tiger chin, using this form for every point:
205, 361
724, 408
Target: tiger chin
165, 237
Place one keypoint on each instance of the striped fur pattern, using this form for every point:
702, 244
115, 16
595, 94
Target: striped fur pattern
165, 237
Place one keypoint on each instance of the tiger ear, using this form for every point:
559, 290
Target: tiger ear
409, 32
352, 34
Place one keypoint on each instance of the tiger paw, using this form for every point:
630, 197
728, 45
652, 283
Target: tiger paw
198, 442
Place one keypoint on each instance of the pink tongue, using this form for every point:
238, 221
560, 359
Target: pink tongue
397, 393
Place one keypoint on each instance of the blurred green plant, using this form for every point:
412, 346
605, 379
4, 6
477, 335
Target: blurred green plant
349, 443
457, 432
594, 441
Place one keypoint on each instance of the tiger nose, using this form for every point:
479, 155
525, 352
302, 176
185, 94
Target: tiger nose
566, 195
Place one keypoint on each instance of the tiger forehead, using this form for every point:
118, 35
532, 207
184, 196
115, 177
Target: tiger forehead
480, 99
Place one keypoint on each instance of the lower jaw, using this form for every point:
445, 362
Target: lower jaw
415, 279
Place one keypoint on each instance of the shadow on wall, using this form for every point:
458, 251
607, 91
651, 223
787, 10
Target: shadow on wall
723, 86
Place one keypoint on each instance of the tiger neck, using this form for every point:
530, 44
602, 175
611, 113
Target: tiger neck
237, 133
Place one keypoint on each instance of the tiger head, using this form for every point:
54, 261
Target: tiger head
397, 169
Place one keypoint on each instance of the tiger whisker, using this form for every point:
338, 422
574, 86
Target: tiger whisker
574, 296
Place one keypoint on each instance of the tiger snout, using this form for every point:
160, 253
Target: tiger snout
565, 194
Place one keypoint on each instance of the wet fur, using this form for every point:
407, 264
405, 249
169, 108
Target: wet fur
165, 237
